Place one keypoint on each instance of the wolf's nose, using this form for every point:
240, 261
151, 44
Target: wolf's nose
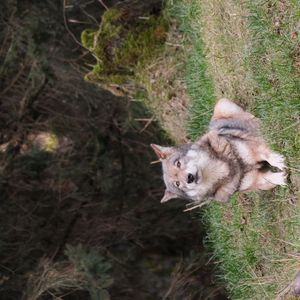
190, 178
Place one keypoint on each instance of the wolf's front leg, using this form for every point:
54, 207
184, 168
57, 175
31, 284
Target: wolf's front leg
224, 193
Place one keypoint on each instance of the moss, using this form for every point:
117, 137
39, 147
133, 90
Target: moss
141, 47
111, 15
121, 48
118, 79
87, 38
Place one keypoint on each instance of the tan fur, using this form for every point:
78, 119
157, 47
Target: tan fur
227, 109
228, 158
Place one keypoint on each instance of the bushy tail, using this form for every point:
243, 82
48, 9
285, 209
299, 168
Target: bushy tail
229, 119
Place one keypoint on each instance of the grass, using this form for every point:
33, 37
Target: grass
166, 94
249, 52
227, 41
198, 80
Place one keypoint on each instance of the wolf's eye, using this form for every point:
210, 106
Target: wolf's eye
177, 183
178, 164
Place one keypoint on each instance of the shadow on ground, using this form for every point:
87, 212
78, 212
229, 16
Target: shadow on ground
75, 169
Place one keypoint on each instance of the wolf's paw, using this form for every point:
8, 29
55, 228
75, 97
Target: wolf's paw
277, 160
278, 178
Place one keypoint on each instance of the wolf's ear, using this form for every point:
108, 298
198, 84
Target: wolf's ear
168, 196
162, 152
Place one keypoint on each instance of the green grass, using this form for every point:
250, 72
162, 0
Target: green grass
255, 238
198, 79
272, 61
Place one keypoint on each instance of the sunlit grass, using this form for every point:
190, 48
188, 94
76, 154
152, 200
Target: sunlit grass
250, 52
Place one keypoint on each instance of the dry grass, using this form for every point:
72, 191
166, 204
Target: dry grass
167, 93
53, 278
184, 282
227, 40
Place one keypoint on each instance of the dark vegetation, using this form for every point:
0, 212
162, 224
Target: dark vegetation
79, 212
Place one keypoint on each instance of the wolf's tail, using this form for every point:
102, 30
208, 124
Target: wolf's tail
236, 128
229, 119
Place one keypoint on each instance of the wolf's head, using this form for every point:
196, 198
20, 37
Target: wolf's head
182, 170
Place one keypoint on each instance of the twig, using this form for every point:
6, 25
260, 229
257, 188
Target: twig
13, 81
90, 16
147, 120
104, 5
197, 205
67, 26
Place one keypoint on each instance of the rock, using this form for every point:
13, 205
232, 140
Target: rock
296, 285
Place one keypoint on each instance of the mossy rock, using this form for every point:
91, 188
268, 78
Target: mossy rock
128, 39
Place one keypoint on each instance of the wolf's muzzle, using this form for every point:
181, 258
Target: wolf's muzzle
190, 178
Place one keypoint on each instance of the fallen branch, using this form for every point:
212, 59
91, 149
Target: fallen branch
197, 205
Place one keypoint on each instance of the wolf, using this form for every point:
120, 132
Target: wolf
232, 156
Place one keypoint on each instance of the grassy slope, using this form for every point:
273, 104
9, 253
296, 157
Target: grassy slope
198, 80
249, 53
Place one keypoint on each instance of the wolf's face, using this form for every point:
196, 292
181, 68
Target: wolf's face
182, 170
